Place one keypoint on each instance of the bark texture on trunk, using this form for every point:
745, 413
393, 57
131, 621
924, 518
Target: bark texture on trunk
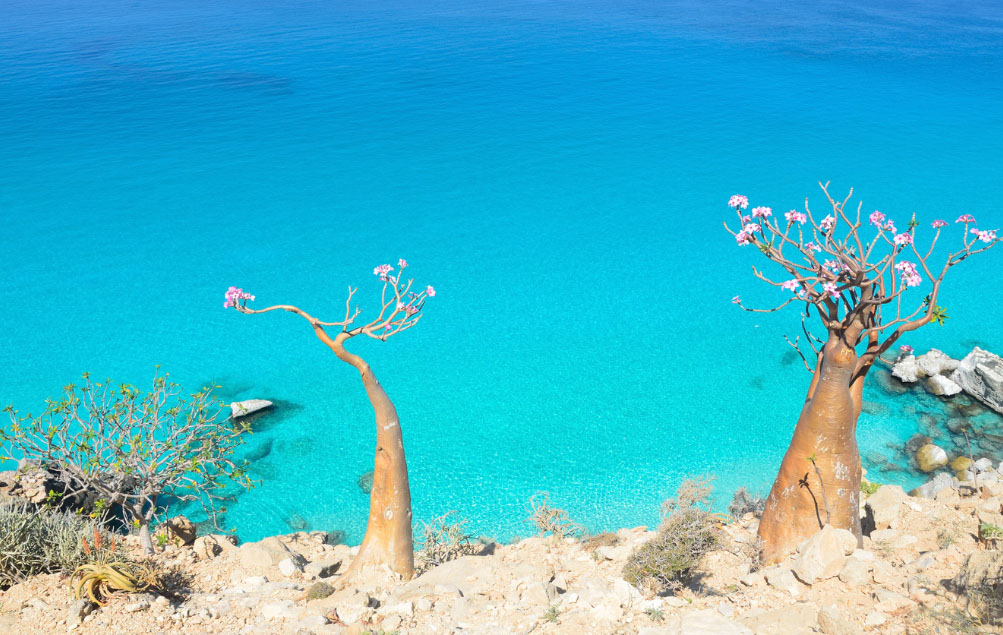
144, 538
826, 433
388, 540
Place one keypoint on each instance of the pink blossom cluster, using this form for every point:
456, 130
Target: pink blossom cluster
876, 218
907, 271
830, 288
905, 348
233, 296
795, 216
736, 300
965, 218
987, 236
790, 285
744, 237
762, 212
903, 239
812, 247
937, 224
889, 226
738, 201
828, 222
383, 271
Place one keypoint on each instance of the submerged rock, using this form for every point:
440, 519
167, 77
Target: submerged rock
980, 374
248, 406
365, 482
930, 457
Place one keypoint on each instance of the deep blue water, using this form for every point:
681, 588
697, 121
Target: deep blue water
558, 170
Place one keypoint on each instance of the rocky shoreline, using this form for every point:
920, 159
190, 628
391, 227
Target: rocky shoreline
922, 563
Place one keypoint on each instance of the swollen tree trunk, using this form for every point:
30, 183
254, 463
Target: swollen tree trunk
144, 537
819, 478
388, 540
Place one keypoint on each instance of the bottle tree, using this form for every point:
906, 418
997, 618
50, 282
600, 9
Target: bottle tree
862, 283
388, 540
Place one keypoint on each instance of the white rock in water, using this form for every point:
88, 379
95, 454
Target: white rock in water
935, 363
980, 374
246, 407
930, 457
906, 369
942, 386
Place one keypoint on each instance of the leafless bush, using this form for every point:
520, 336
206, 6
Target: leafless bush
743, 503
443, 539
692, 493
551, 520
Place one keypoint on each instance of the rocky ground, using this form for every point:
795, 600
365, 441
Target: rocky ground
904, 580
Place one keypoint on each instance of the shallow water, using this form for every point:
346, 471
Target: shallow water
558, 170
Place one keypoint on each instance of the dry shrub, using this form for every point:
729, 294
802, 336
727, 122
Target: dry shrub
743, 503
551, 520
666, 562
443, 539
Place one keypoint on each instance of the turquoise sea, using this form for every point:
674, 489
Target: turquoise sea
557, 169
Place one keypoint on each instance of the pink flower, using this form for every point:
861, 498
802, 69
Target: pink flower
903, 239
738, 201
890, 226
430, 291
382, 271
761, 212
828, 222
742, 238
830, 288
746, 219
876, 218
907, 271
985, 236
736, 300
812, 247
235, 296
402, 263
905, 348
790, 285
937, 224
795, 216
965, 218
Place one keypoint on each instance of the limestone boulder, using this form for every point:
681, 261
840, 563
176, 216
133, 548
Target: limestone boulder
942, 386
935, 362
980, 374
931, 457
938, 483
885, 505
981, 567
823, 555
266, 554
710, 622
248, 406
180, 530
208, 547
906, 369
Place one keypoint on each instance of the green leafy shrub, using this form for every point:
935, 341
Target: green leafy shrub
131, 448
868, 487
667, 561
34, 541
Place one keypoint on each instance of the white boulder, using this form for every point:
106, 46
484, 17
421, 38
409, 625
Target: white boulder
248, 406
823, 555
942, 386
980, 374
906, 369
935, 363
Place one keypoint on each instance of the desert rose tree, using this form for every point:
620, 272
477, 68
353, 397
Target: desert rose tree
388, 540
862, 283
